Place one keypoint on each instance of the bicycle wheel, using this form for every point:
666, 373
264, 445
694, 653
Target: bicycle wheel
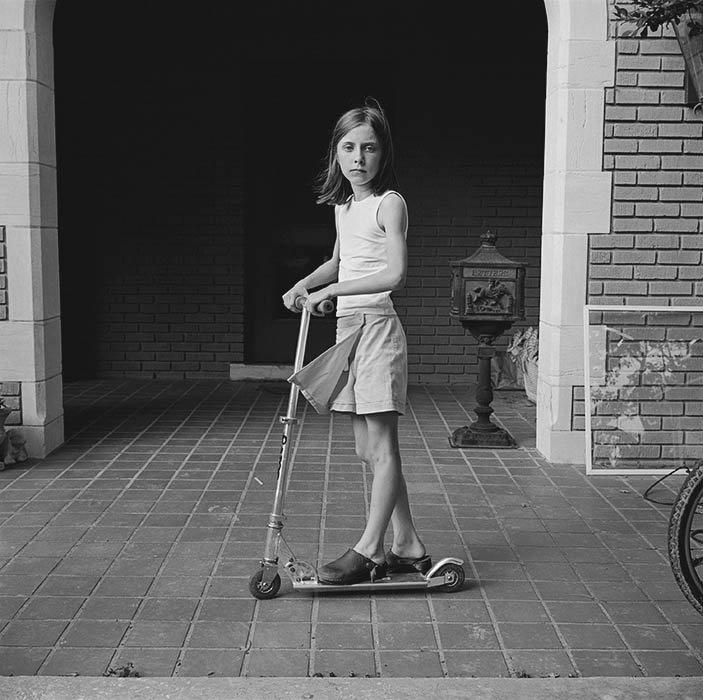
686, 537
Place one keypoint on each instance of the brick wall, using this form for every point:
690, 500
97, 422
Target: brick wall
3, 276
449, 210
161, 315
654, 148
170, 298
11, 394
646, 388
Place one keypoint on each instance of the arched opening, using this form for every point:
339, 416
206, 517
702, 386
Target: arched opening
202, 141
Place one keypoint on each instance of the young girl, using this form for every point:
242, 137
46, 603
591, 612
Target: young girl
368, 263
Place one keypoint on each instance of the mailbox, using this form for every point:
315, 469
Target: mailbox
487, 297
486, 288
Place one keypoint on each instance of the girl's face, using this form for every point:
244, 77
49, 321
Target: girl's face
359, 158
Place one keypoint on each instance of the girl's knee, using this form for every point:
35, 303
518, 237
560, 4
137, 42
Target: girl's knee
362, 453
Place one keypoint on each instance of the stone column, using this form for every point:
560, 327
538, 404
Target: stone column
30, 328
577, 202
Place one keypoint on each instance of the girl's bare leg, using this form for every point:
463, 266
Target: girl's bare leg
376, 437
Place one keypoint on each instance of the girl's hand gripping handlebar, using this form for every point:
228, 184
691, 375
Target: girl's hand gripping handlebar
322, 309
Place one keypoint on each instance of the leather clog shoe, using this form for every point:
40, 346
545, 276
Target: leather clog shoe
407, 565
351, 567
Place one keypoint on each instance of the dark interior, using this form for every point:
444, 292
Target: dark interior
163, 111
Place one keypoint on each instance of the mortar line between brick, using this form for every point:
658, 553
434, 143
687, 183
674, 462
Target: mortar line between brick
600, 604
375, 633
243, 670
455, 522
427, 595
73, 620
695, 652
315, 610
230, 528
89, 386
184, 461
75, 498
84, 453
101, 416
504, 531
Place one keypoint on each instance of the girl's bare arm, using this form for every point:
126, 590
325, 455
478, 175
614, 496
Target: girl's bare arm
392, 216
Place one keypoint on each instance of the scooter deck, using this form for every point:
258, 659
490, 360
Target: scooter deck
392, 581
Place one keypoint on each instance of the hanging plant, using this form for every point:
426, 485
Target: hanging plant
650, 15
686, 18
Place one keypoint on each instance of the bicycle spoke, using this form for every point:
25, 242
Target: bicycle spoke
686, 537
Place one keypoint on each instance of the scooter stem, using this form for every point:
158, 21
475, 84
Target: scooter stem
289, 421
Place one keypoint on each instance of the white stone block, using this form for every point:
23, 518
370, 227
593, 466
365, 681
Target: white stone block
564, 267
32, 273
16, 351
48, 341
554, 410
14, 123
47, 296
584, 19
14, 194
14, 51
576, 202
43, 440
28, 195
42, 402
12, 14
30, 351
43, 68
574, 130
562, 446
586, 64
42, 138
561, 354
30, 15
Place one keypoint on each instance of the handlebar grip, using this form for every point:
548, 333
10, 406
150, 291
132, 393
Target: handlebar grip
324, 307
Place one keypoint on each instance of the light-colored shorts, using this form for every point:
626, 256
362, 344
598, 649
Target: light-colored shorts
378, 369
366, 371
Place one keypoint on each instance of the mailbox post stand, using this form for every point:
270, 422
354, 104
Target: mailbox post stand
488, 295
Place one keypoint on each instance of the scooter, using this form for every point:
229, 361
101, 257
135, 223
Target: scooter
446, 575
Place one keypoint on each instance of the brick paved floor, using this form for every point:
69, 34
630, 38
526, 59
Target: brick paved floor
135, 540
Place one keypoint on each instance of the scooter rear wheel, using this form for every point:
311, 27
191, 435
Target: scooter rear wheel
261, 590
455, 577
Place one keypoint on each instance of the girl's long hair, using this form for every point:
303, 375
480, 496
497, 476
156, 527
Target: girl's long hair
331, 186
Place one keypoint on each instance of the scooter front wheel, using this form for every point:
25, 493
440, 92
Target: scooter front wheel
262, 590
454, 577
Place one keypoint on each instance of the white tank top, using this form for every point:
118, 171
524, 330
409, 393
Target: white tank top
362, 251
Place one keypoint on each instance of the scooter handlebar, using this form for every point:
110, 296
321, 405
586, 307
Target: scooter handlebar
324, 307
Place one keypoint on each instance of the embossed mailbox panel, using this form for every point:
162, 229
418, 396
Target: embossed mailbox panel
487, 286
